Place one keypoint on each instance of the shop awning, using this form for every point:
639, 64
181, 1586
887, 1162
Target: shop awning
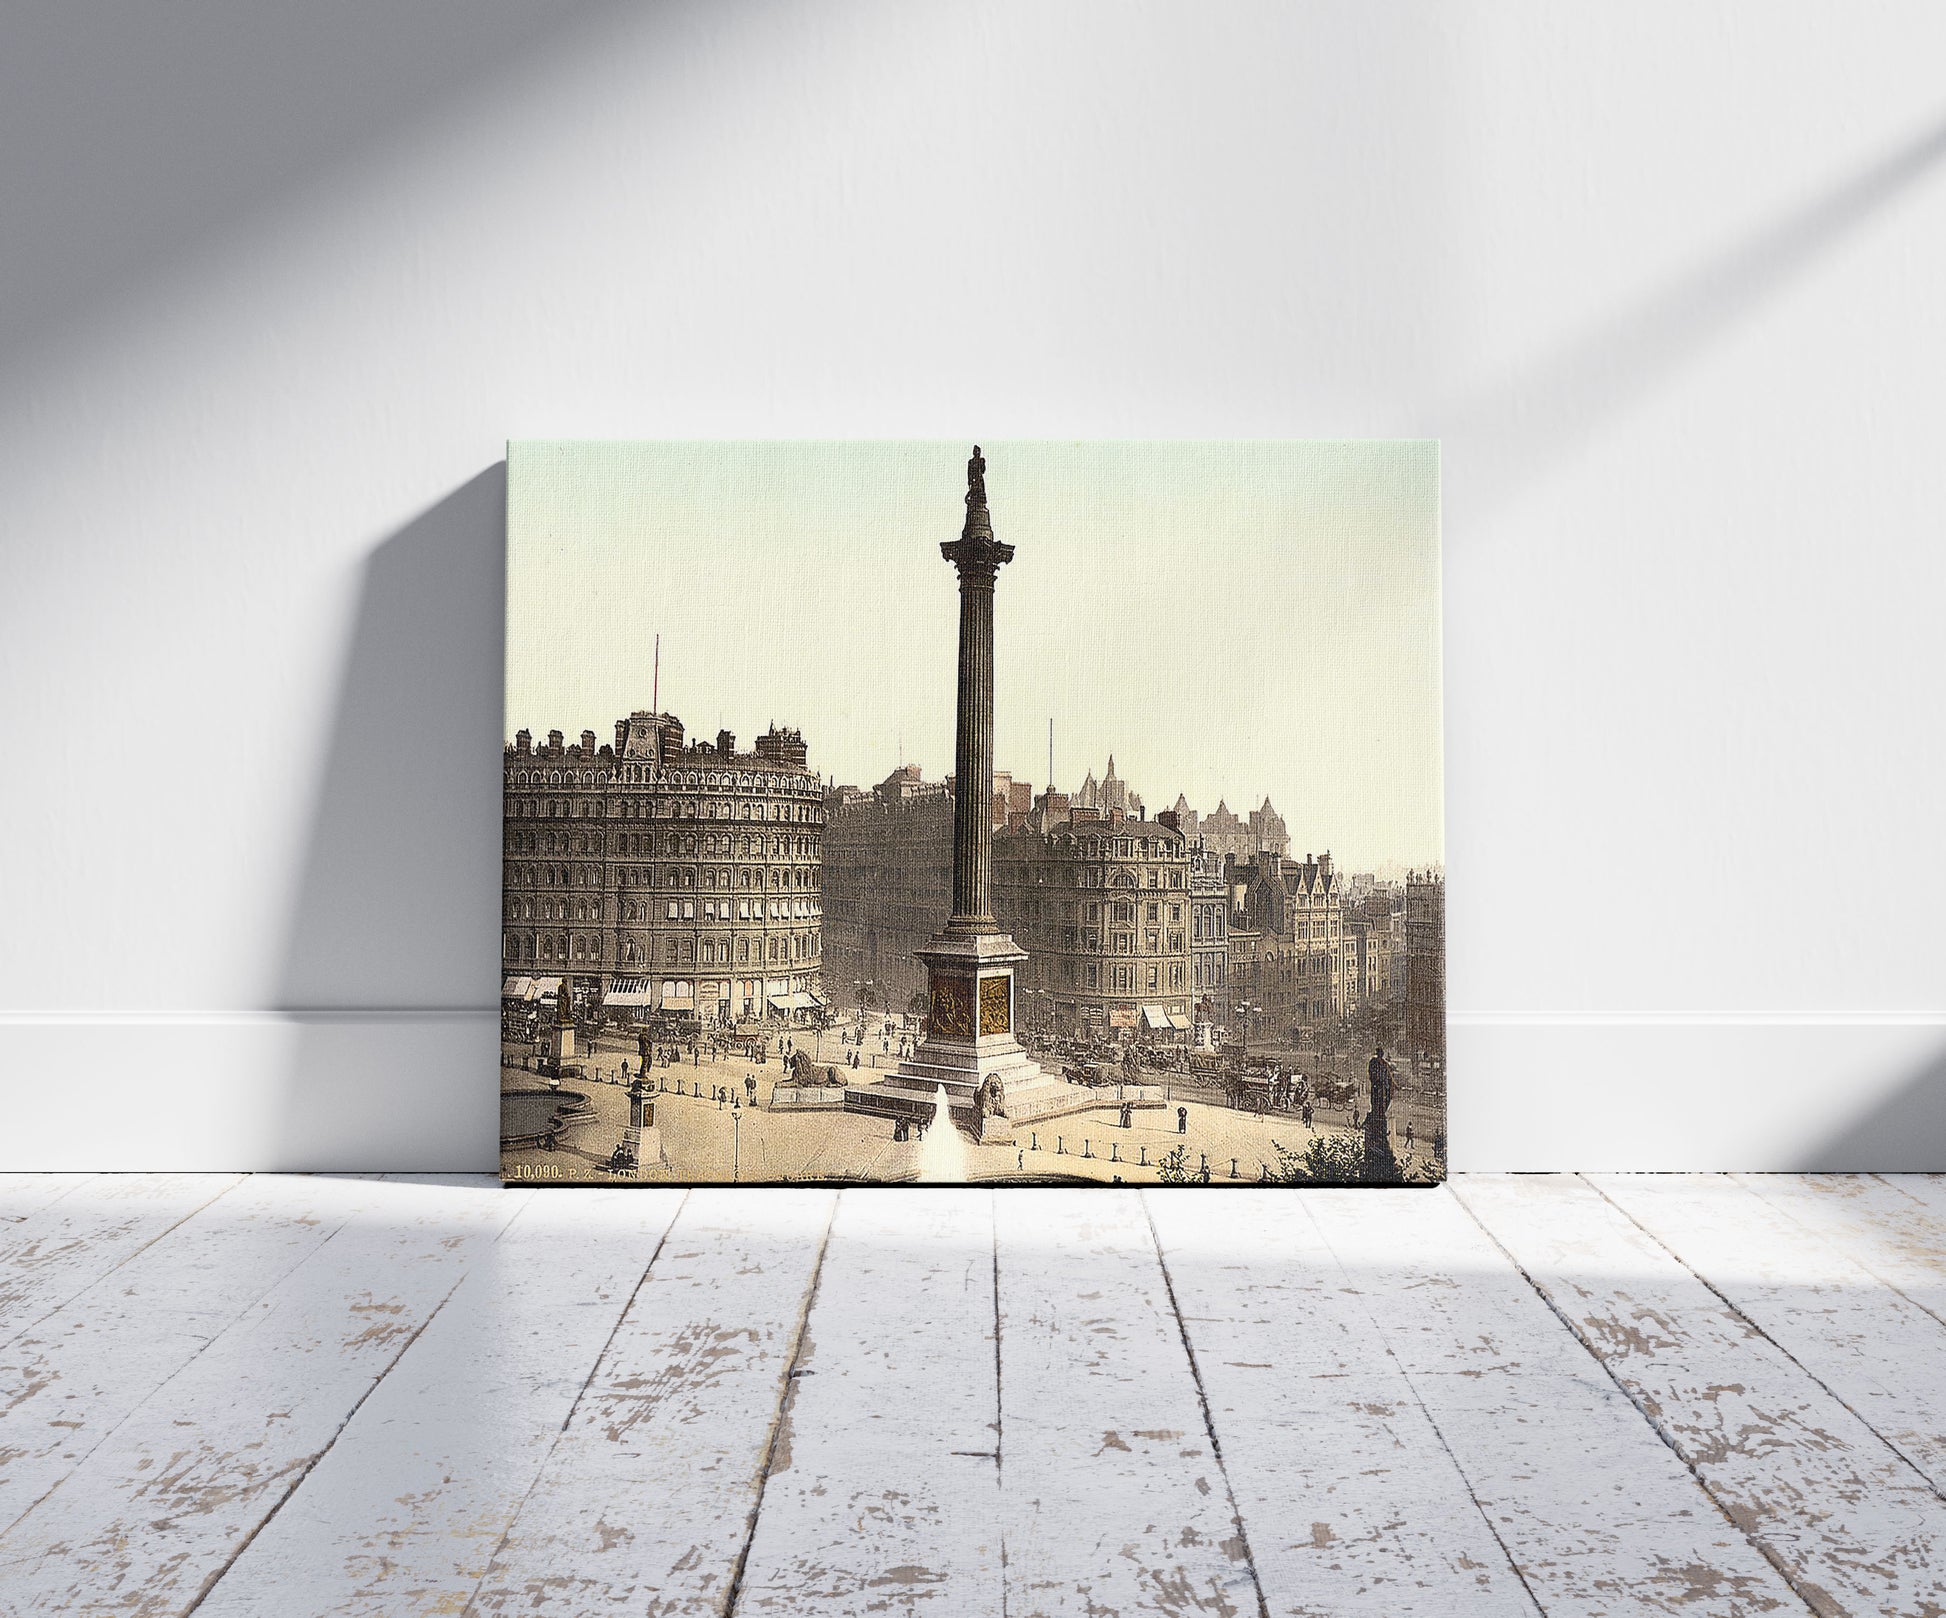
626, 992
514, 988
814, 998
543, 988
1154, 1017
792, 1002
1178, 1020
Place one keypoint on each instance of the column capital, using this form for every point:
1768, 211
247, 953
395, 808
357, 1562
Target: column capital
977, 556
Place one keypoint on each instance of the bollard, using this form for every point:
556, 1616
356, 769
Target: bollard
1087, 1148
1233, 1168
1114, 1151
1033, 1142
1145, 1159
1060, 1146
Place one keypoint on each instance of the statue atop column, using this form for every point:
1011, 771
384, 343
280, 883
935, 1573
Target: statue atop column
976, 549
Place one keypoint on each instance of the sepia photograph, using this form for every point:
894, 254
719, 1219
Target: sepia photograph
1084, 824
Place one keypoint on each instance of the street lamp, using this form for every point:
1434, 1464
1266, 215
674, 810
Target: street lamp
736, 1144
1245, 1009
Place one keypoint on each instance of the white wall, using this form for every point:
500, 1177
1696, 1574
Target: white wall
279, 282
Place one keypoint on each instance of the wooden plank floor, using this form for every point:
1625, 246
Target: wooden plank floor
1521, 1395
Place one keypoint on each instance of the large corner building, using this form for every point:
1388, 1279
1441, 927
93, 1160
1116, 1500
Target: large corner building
683, 877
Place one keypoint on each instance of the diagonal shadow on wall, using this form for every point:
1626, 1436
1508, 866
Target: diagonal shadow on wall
1904, 1133
392, 952
1509, 435
137, 141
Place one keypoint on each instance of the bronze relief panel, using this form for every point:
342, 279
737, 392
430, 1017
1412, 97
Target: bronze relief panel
994, 1006
952, 1007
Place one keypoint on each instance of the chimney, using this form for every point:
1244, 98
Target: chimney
621, 736
1169, 818
587, 744
524, 742
553, 744
726, 742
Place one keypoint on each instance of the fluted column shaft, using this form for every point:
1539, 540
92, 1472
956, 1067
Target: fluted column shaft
973, 752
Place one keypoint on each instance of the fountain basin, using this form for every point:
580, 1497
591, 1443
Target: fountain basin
525, 1115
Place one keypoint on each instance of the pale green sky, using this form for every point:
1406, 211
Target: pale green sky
1230, 620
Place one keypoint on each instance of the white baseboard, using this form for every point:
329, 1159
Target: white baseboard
250, 1090
1756, 1092
405, 1090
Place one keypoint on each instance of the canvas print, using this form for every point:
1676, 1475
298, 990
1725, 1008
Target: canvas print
892, 812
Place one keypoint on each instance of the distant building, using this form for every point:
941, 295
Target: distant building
888, 884
1111, 795
1102, 906
1209, 936
1425, 974
1242, 838
1100, 902
1012, 801
681, 878
1299, 969
1376, 930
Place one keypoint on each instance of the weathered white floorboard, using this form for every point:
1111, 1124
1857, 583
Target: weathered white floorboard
1875, 1350
1894, 1225
67, 1244
72, 1378
404, 1512
156, 1511
645, 1504
1113, 1499
1854, 1526
884, 1492
311, 1396
1596, 1512
1350, 1502
21, 1194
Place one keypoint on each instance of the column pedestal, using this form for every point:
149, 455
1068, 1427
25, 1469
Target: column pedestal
970, 1049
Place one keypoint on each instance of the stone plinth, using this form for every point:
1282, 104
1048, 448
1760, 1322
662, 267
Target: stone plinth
970, 1048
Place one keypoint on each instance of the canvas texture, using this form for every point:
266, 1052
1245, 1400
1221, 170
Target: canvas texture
1026, 813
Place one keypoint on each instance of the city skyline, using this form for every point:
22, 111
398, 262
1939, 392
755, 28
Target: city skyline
1290, 652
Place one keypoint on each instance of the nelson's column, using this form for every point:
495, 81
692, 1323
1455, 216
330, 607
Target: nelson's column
969, 1046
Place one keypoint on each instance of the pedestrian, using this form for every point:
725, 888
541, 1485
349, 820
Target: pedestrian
1408, 1134
1182, 1120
